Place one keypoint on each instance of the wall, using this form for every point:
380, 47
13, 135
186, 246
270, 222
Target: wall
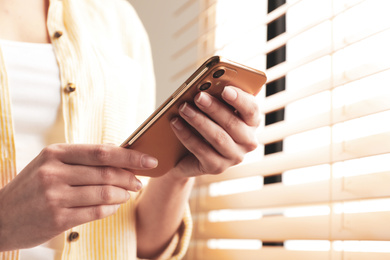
171, 25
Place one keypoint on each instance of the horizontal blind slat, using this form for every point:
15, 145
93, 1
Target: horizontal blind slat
286, 97
183, 7
357, 226
283, 39
282, 69
280, 162
280, 254
264, 253
280, 195
280, 130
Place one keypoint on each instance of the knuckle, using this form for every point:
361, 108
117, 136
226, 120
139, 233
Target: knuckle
55, 213
51, 200
51, 151
251, 145
131, 182
101, 211
98, 212
186, 136
106, 194
218, 169
254, 113
201, 149
232, 123
102, 153
239, 158
134, 159
46, 176
58, 221
106, 174
213, 168
221, 138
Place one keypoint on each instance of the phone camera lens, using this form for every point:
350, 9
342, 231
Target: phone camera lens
205, 86
218, 73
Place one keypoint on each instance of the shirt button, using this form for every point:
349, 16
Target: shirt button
70, 87
73, 236
58, 34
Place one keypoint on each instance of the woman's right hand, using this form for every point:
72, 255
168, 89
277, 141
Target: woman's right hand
64, 186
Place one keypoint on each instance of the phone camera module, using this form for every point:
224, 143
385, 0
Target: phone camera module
205, 86
218, 73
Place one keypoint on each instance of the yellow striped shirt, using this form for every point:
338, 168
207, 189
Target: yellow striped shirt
92, 40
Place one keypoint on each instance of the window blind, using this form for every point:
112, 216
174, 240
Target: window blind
318, 185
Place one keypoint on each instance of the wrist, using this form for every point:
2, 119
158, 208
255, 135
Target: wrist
176, 176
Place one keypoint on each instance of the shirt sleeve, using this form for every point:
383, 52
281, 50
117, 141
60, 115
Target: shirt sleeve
178, 246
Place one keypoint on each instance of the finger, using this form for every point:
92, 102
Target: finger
244, 103
219, 139
85, 196
227, 119
210, 160
101, 155
81, 215
102, 175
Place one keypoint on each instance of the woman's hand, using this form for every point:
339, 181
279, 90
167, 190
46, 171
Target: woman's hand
63, 187
228, 135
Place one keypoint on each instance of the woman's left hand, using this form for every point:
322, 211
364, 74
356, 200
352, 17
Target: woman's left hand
227, 135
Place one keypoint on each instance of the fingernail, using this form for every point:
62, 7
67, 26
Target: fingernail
229, 94
177, 124
204, 100
117, 206
149, 162
127, 195
139, 185
186, 110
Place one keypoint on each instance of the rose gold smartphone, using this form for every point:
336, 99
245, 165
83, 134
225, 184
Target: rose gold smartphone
156, 137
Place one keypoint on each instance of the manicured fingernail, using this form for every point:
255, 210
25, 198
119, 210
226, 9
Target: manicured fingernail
187, 110
204, 100
177, 124
229, 94
149, 162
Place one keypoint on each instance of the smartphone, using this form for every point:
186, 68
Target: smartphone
156, 137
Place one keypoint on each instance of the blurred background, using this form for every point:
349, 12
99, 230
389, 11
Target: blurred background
318, 186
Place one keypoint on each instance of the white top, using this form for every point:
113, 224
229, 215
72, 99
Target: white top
34, 82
